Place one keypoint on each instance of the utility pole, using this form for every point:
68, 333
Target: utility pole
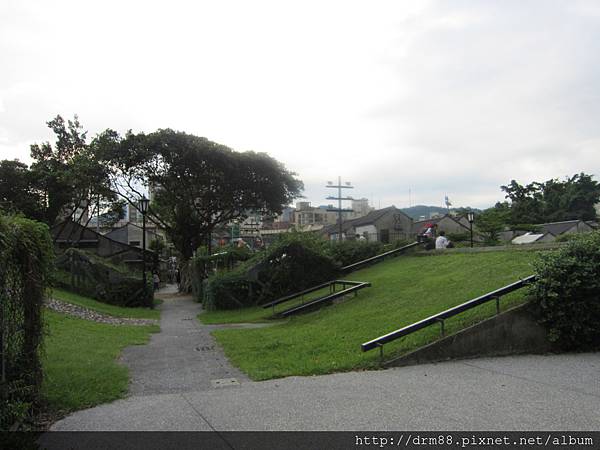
339, 198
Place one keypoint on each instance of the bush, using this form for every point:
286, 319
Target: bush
89, 275
202, 266
293, 263
26, 257
349, 252
567, 292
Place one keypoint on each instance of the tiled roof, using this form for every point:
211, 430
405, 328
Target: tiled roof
370, 218
557, 228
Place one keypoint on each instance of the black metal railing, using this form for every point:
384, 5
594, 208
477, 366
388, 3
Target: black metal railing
334, 293
440, 317
377, 258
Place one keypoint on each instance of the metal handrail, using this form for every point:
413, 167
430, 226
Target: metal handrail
440, 317
289, 297
375, 258
357, 285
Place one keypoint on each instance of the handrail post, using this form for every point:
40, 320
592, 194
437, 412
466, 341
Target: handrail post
497, 298
380, 345
442, 330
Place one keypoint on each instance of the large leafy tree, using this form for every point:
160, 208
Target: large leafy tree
197, 184
553, 200
18, 192
68, 176
492, 221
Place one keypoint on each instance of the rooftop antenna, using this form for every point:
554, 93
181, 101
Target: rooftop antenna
448, 203
339, 198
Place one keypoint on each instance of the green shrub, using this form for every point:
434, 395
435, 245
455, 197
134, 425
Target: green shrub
566, 237
229, 290
202, 266
459, 237
89, 275
26, 257
349, 252
293, 263
567, 292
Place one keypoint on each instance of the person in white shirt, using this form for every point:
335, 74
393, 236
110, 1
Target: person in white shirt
442, 241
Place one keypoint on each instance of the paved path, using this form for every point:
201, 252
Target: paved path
171, 390
183, 357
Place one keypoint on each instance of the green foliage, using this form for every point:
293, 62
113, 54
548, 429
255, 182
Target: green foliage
202, 266
568, 292
553, 200
294, 262
492, 221
566, 237
27, 255
18, 193
459, 237
90, 275
349, 252
200, 184
230, 290
68, 174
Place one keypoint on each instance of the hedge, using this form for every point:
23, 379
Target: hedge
26, 260
88, 275
567, 292
294, 262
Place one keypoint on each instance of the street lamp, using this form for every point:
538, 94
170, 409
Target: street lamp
143, 207
470, 218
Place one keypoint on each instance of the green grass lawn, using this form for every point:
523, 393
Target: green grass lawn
105, 308
256, 313
80, 361
404, 290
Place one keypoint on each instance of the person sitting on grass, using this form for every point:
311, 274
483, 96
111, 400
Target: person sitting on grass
442, 241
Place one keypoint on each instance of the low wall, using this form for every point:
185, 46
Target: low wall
512, 332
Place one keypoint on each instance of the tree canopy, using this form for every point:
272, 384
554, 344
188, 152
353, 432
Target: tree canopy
67, 175
196, 184
553, 200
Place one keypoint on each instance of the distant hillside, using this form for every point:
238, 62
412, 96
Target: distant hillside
422, 210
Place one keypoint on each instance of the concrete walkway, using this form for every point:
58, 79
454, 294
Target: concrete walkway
183, 357
173, 388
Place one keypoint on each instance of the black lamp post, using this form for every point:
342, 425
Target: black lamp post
470, 218
143, 206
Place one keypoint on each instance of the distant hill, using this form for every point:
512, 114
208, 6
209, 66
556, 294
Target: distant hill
422, 210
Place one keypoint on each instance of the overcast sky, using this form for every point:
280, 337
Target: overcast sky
443, 98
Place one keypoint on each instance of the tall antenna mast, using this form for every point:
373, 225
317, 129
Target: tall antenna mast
339, 198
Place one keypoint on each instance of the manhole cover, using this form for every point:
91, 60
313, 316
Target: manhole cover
224, 382
204, 348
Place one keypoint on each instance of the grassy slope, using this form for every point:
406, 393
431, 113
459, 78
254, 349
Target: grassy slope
80, 361
405, 290
112, 310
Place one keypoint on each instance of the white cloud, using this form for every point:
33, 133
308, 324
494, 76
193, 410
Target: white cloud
445, 98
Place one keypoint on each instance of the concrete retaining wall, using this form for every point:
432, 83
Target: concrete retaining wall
512, 332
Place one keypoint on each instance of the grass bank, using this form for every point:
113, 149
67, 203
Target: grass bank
80, 361
105, 308
404, 290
